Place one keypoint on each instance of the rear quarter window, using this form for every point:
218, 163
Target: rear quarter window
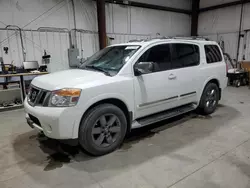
185, 55
213, 54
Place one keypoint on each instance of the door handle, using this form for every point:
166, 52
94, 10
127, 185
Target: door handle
171, 77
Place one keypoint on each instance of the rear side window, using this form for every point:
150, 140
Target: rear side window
213, 54
185, 55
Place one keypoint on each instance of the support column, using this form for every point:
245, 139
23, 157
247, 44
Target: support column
101, 23
195, 17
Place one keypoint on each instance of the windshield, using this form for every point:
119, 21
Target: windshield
110, 60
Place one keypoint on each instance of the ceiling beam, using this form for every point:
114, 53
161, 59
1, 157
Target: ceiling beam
235, 3
195, 17
101, 23
149, 6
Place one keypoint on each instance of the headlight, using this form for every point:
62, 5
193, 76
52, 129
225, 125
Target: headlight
64, 97
29, 91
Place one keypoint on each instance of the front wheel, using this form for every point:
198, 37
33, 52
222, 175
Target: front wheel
209, 99
103, 129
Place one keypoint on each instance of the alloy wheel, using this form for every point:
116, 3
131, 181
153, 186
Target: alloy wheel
106, 131
211, 98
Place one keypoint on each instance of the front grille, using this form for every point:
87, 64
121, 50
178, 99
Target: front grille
35, 120
38, 96
42, 97
33, 94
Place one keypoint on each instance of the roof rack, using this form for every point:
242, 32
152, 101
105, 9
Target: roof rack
191, 38
136, 40
146, 40
164, 37
187, 38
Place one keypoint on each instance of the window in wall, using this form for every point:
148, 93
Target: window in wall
160, 56
213, 54
185, 55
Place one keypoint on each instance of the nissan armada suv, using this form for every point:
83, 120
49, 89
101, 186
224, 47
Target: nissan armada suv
127, 86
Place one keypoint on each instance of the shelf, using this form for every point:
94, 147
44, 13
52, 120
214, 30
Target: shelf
14, 107
11, 89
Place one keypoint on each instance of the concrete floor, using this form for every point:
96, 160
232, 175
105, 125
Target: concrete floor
187, 152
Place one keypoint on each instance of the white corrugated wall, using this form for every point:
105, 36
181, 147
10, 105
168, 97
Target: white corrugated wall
223, 24
123, 23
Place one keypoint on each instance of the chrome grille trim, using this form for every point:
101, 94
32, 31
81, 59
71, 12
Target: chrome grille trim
37, 101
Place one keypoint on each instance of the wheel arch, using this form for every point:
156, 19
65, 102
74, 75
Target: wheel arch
115, 101
215, 81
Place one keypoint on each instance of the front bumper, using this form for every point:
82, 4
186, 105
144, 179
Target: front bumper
56, 123
32, 124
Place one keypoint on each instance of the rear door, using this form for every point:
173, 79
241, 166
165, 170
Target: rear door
186, 70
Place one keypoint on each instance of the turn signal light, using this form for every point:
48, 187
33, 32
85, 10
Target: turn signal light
68, 92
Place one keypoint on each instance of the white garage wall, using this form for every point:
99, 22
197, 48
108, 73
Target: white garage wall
58, 13
33, 14
123, 19
219, 21
223, 24
165, 23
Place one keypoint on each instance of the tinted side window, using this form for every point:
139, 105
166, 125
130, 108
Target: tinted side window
213, 54
185, 55
160, 56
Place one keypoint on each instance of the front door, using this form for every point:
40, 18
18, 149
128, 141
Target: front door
155, 91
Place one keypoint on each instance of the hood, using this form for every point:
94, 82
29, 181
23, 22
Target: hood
67, 79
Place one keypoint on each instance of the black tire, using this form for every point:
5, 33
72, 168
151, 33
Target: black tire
93, 122
237, 83
209, 102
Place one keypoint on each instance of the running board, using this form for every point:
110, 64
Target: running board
163, 116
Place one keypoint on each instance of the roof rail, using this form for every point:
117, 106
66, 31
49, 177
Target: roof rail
191, 38
148, 39
161, 37
136, 40
164, 37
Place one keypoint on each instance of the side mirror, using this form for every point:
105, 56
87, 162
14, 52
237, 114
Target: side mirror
143, 68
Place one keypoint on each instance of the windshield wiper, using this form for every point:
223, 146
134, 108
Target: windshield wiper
98, 69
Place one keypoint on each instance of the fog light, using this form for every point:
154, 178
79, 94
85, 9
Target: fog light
48, 128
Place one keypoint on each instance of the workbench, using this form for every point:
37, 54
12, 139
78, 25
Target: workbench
21, 80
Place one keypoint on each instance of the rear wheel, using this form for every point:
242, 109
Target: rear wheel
209, 99
102, 129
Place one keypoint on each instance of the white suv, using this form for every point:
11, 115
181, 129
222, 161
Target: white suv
124, 87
